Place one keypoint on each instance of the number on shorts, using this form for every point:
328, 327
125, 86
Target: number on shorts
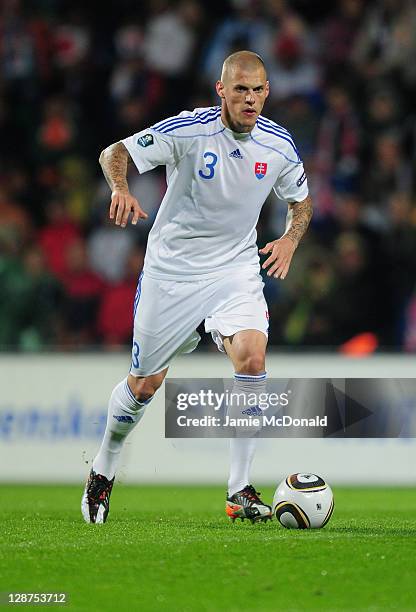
135, 354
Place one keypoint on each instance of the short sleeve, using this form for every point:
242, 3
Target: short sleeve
292, 185
149, 149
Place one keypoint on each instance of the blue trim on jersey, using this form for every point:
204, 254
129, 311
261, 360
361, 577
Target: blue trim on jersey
138, 294
162, 124
166, 122
272, 129
193, 135
293, 161
188, 121
269, 124
279, 135
274, 124
194, 121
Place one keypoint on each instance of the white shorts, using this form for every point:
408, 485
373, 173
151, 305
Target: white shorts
167, 313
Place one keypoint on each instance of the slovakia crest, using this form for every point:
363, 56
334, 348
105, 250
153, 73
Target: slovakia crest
260, 170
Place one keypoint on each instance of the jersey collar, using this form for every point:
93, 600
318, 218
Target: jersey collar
236, 135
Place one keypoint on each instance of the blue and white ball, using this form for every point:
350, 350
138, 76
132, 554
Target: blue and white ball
303, 501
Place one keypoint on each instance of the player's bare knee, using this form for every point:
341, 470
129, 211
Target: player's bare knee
253, 364
143, 388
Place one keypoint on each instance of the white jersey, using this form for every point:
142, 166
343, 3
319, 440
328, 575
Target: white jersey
218, 181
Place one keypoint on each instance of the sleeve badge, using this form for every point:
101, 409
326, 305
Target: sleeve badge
145, 141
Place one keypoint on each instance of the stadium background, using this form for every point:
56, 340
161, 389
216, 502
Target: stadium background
77, 76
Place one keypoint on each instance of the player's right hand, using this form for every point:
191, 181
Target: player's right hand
122, 204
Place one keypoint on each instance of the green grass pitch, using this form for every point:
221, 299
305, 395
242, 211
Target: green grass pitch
172, 548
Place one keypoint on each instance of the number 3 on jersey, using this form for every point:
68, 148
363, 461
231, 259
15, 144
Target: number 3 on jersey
209, 165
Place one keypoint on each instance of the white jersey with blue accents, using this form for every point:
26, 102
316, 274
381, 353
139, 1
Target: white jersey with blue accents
218, 182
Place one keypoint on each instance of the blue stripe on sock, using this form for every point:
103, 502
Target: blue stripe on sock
136, 401
146, 401
250, 377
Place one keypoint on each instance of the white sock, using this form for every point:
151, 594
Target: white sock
242, 449
124, 412
241, 456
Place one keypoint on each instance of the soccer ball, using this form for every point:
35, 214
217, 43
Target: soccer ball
303, 501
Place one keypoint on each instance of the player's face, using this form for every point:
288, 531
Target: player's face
243, 94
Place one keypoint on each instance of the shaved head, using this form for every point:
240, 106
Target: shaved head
243, 89
246, 61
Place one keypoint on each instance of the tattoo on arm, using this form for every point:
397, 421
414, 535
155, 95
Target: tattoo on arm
113, 161
298, 218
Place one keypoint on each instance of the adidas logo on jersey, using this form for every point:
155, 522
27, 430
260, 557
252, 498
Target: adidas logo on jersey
236, 154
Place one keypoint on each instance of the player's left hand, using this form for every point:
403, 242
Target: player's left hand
281, 253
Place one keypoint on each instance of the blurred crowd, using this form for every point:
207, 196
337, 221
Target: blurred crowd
76, 76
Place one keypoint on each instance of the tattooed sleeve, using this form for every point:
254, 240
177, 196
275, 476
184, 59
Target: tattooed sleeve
298, 218
114, 161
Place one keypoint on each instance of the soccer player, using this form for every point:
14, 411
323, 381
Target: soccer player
202, 261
